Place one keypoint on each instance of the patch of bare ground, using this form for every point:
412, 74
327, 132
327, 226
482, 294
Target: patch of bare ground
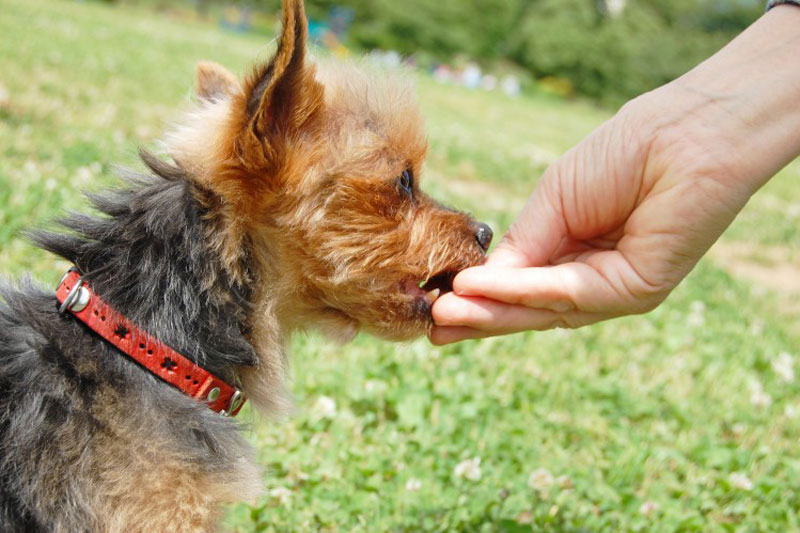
776, 268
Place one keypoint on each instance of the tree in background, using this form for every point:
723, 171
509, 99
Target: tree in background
645, 45
607, 49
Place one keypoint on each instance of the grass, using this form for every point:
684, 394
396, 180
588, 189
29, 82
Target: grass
674, 421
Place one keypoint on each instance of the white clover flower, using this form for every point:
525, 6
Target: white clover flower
83, 175
324, 408
696, 317
648, 508
740, 481
413, 485
541, 480
374, 387
757, 327
564, 482
758, 397
791, 411
697, 306
30, 168
5, 97
694, 320
783, 366
524, 518
469, 469
280, 494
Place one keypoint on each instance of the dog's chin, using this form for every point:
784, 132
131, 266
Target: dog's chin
391, 316
408, 310
407, 315
401, 312
402, 330
336, 326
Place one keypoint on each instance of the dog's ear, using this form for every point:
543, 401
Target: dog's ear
213, 81
282, 95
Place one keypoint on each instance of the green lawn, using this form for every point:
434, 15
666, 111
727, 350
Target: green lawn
681, 420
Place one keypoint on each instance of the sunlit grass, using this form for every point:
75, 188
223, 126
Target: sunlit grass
651, 423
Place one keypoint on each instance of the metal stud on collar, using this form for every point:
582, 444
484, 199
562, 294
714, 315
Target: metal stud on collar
77, 299
184, 374
213, 394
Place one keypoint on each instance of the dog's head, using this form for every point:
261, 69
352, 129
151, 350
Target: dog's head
318, 171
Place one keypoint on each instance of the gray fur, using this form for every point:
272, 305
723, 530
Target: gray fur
148, 259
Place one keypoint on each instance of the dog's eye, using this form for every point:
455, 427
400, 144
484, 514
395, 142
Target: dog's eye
406, 182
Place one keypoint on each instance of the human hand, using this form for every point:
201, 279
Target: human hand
623, 217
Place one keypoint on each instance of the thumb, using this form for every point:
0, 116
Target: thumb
538, 230
506, 255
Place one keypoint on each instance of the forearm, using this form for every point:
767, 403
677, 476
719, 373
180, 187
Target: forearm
743, 104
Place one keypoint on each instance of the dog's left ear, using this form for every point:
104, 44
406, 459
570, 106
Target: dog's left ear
282, 96
214, 82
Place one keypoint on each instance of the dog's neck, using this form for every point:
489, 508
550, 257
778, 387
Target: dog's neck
150, 259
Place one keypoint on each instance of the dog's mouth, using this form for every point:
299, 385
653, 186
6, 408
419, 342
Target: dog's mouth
431, 289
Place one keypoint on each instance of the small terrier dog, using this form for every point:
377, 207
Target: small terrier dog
291, 201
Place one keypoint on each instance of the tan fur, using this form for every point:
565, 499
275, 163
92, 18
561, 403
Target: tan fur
135, 497
111, 476
301, 163
213, 81
307, 178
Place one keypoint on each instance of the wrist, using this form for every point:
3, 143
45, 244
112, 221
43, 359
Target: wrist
752, 88
738, 113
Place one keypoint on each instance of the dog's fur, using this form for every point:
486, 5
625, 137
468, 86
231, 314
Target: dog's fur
281, 210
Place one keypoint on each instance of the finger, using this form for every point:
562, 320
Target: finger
441, 335
608, 284
498, 318
505, 255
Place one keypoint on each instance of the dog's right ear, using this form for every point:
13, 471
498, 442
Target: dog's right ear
282, 96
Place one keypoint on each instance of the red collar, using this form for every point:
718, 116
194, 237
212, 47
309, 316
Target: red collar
77, 297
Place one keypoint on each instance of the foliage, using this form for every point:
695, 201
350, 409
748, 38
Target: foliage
610, 58
648, 423
616, 58
650, 43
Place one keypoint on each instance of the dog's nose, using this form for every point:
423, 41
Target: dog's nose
483, 234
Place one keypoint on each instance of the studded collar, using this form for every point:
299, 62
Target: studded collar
76, 296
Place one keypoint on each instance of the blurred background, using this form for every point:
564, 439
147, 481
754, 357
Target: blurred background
684, 419
609, 50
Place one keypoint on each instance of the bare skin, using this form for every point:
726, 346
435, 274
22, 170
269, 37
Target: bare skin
624, 216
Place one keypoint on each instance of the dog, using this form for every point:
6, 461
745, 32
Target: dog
289, 201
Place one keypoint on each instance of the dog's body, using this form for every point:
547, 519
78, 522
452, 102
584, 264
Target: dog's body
291, 204
91, 441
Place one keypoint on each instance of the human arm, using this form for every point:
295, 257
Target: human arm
623, 217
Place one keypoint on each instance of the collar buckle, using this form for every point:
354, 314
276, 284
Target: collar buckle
234, 404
